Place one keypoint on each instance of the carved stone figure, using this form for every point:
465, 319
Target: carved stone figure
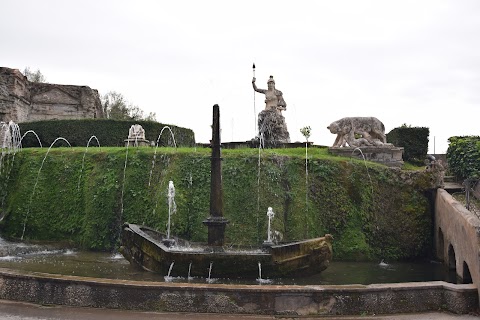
436, 167
136, 132
272, 128
273, 97
358, 132
136, 136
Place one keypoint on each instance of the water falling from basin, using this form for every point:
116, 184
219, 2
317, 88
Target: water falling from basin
260, 280
209, 279
189, 277
168, 277
366, 167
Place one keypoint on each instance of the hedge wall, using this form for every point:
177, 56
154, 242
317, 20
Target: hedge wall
413, 140
463, 156
108, 132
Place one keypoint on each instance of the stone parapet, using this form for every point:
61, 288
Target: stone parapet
387, 155
282, 300
457, 237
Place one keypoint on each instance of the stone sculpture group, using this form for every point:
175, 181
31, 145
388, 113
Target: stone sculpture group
358, 132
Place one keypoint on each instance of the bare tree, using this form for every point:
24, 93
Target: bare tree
116, 107
34, 76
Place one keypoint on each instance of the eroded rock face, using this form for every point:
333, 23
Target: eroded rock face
24, 101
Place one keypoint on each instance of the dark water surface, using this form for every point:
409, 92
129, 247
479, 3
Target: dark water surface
114, 266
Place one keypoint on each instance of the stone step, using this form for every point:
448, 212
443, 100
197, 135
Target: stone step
449, 179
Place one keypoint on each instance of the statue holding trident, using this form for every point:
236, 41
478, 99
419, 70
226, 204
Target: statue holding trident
272, 128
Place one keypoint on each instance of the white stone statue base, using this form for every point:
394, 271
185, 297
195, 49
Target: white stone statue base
136, 143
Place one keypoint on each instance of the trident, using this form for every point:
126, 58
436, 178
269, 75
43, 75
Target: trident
254, 109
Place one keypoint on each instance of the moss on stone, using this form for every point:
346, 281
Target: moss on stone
372, 211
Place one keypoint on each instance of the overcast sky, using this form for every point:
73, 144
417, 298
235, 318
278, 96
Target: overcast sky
404, 62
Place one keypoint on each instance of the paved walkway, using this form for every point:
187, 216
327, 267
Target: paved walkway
25, 311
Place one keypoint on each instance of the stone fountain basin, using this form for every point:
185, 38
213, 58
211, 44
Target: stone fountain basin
146, 247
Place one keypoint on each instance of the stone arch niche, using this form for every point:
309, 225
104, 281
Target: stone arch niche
452, 264
467, 277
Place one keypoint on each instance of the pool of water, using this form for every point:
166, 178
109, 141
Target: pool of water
114, 266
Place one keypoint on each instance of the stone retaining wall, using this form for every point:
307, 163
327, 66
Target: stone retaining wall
457, 237
241, 299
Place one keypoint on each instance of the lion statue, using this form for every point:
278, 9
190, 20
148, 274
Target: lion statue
358, 132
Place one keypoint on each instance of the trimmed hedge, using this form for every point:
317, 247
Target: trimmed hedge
413, 140
463, 156
110, 133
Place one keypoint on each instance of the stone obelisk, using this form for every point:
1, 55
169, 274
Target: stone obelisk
216, 222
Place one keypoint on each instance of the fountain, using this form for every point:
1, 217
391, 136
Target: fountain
189, 277
172, 208
270, 215
156, 147
209, 278
154, 251
261, 280
36, 136
10, 142
168, 277
36, 182
83, 158
315, 298
136, 136
9, 136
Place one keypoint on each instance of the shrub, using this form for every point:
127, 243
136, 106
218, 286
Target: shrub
414, 140
463, 156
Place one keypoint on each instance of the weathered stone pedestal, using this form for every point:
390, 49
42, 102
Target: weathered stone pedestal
272, 128
387, 155
136, 143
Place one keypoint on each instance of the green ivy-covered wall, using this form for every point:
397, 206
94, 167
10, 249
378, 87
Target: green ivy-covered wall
372, 211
